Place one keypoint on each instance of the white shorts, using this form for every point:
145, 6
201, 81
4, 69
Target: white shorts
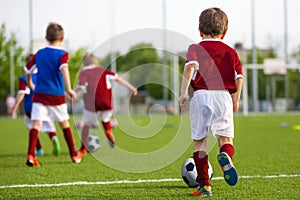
48, 126
92, 117
49, 113
211, 111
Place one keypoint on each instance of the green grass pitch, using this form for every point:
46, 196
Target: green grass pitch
267, 159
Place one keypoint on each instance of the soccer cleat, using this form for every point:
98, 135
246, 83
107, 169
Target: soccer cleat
32, 161
230, 173
56, 146
204, 191
111, 139
84, 152
39, 152
78, 157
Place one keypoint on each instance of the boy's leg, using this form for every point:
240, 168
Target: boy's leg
75, 156
88, 118
105, 120
39, 149
55, 143
85, 138
201, 161
225, 160
33, 137
108, 132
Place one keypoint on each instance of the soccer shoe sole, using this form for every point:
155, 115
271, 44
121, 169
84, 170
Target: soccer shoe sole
230, 173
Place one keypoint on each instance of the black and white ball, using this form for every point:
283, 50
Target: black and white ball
189, 173
94, 143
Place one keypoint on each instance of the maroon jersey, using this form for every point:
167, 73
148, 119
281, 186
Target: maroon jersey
218, 65
97, 83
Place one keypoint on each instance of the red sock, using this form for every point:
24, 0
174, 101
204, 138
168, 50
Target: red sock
106, 126
228, 148
38, 144
201, 162
33, 136
84, 137
51, 135
70, 141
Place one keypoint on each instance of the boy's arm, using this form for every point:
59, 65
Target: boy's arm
127, 84
186, 79
29, 81
236, 96
19, 99
66, 76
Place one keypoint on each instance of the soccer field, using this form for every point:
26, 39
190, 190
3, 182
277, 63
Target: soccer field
267, 159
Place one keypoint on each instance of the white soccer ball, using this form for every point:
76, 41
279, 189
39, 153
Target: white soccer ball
94, 143
189, 173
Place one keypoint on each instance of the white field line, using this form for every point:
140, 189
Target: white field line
137, 181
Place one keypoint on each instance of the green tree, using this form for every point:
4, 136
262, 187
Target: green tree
75, 63
145, 55
9, 45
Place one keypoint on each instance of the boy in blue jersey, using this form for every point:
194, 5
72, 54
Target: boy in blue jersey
49, 102
48, 126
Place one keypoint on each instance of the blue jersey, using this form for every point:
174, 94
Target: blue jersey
23, 88
49, 88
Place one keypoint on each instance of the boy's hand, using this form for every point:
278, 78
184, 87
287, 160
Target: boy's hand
72, 93
14, 115
183, 100
235, 106
31, 86
235, 102
134, 92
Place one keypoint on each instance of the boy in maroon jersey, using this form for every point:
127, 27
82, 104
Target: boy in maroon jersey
214, 72
96, 81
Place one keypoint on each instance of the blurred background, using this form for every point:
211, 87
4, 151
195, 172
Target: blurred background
265, 34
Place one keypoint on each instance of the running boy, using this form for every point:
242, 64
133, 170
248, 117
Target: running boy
49, 101
95, 81
48, 126
214, 71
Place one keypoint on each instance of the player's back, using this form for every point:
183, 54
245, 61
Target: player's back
98, 90
49, 62
218, 64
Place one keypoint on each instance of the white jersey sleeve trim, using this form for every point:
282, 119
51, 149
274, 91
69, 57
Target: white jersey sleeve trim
29, 71
63, 65
195, 63
238, 76
196, 67
110, 78
26, 91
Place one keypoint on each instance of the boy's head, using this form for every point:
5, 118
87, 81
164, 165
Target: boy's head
213, 22
90, 59
28, 58
54, 32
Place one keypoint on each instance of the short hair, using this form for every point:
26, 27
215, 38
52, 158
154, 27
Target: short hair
90, 59
54, 32
28, 57
213, 21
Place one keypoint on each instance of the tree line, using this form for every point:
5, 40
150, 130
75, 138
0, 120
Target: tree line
138, 55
